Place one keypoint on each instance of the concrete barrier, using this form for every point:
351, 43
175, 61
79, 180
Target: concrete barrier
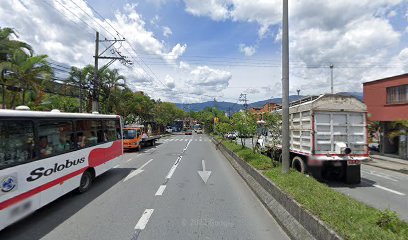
297, 222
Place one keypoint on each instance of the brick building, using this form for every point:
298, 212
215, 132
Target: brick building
387, 102
269, 107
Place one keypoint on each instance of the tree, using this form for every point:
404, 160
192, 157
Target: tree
165, 113
28, 73
83, 79
245, 124
110, 83
223, 128
270, 128
8, 48
53, 101
402, 126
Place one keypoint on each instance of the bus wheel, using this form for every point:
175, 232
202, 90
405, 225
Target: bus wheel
298, 164
86, 182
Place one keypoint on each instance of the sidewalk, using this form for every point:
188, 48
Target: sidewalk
389, 163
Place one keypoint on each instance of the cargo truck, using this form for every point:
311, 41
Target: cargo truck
328, 137
135, 137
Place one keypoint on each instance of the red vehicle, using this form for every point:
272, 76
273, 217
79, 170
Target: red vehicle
189, 132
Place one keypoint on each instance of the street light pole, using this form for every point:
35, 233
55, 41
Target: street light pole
285, 88
331, 78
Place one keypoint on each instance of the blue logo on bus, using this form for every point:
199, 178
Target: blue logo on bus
8, 184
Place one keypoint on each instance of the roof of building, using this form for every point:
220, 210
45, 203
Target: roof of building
386, 79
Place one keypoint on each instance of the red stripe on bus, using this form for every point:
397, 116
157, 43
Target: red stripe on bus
39, 189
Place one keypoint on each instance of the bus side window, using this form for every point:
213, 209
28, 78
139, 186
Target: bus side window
55, 137
16, 142
85, 137
110, 130
118, 129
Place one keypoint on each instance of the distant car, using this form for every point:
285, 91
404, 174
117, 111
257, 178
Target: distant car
199, 131
231, 136
169, 130
188, 132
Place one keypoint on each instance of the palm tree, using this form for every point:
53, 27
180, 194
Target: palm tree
110, 81
83, 79
8, 48
28, 73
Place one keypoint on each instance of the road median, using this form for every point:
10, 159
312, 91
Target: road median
306, 208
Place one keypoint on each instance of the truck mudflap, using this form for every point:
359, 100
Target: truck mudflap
353, 174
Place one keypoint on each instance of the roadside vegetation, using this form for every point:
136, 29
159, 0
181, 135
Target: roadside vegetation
350, 218
36, 81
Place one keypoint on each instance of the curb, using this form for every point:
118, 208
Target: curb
297, 222
403, 171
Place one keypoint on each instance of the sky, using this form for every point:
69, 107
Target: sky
189, 51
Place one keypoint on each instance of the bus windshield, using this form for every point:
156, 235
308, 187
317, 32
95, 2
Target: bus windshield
129, 134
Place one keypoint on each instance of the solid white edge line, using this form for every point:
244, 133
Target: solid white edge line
116, 166
141, 224
389, 190
160, 190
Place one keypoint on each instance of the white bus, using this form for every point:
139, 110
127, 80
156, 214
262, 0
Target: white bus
44, 155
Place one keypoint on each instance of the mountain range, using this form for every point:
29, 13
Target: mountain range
235, 107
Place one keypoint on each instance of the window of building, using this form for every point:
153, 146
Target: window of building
398, 94
16, 142
55, 137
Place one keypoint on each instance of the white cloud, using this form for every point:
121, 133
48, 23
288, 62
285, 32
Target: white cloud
167, 31
175, 53
53, 30
209, 79
169, 81
263, 12
392, 14
216, 9
247, 50
184, 65
252, 91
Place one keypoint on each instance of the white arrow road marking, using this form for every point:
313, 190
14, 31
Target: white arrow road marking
141, 224
204, 174
137, 171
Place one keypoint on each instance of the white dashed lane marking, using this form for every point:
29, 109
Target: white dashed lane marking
160, 190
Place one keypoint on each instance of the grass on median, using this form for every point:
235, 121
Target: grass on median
350, 218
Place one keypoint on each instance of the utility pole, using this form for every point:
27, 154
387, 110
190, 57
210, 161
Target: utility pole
95, 100
285, 88
243, 98
331, 78
123, 59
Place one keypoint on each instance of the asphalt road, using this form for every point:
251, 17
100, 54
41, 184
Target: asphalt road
379, 188
157, 194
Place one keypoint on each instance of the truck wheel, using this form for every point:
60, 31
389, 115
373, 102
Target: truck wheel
86, 182
298, 164
353, 174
